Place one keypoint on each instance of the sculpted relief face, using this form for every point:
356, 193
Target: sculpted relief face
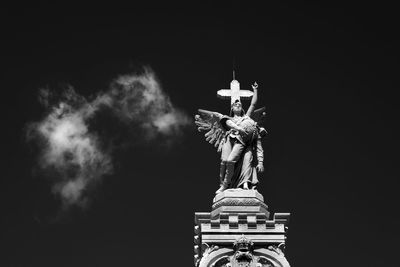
237, 108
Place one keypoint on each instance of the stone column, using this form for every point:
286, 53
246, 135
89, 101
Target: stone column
240, 232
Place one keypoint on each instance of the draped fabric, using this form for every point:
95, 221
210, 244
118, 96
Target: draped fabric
245, 168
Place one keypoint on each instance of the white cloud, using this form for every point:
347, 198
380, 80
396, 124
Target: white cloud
76, 154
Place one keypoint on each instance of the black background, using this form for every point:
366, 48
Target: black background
327, 75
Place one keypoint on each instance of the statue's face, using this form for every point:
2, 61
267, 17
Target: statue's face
237, 108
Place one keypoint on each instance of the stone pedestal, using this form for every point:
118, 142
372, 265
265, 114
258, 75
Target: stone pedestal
239, 231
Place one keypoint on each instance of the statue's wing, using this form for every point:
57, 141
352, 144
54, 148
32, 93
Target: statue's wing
209, 122
258, 116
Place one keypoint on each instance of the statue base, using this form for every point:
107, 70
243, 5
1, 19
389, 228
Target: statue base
239, 231
239, 201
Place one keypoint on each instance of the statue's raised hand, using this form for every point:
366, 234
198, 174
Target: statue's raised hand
254, 86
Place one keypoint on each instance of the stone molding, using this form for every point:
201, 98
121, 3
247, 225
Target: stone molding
210, 259
239, 202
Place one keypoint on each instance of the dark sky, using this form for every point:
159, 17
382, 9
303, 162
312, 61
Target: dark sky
328, 76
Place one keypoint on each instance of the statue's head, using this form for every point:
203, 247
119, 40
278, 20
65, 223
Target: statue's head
237, 109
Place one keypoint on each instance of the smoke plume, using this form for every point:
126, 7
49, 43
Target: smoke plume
75, 156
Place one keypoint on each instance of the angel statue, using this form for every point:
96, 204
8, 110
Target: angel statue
238, 138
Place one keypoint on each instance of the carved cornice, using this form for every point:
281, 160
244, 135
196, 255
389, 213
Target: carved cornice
239, 202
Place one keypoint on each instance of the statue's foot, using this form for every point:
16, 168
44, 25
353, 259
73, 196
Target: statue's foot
220, 190
245, 186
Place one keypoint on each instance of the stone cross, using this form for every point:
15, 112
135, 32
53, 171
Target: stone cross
234, 93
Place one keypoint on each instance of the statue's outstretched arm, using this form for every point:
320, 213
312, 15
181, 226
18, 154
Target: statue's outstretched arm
253, 99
